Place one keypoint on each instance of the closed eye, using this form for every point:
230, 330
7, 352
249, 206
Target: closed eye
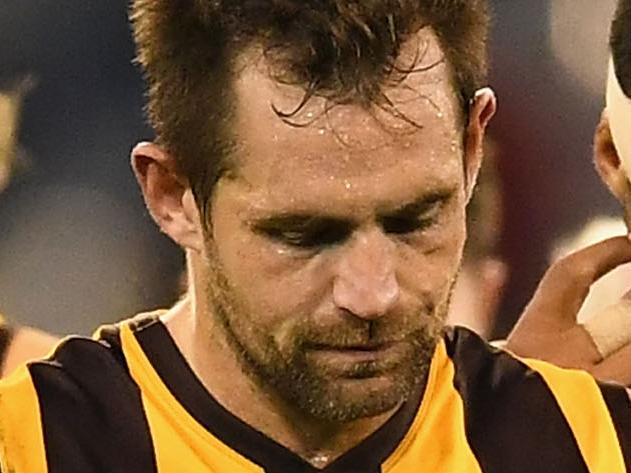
403, 225
415, 217
306, 233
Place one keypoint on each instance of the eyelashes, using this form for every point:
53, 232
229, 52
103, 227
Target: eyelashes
407, 225
310, 234
319, 233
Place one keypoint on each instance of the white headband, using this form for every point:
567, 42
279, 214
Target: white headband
619, 113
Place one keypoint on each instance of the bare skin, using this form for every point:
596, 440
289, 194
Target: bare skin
27, 344
9, 113
548, 328
320, 443
385, 202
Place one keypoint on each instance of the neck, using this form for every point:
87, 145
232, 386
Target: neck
204, 344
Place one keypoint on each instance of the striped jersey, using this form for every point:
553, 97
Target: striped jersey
127, 401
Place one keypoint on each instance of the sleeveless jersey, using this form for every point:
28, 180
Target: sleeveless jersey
127, 401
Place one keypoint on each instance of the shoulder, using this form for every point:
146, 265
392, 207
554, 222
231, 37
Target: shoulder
80, 403
77, 371
24, 344
52, 400
493, 365
528, 404
81, 366
499, 373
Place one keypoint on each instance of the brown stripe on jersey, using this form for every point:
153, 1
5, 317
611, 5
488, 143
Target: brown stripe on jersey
512, 420
6, 335
182, 382
617, 400
109, 337
92, 415
369, 455
176, 374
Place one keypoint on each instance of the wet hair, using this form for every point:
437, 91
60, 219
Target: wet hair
620, 42
343, 50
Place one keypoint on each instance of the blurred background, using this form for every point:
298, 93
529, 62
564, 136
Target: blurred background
77, 247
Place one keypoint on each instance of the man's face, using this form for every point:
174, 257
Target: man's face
334, 246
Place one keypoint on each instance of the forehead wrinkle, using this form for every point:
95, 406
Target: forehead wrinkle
268, 148
363, 203
343, 148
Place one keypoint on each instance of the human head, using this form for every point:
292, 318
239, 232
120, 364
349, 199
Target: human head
342, 50
314, 159
613, 136
11, 94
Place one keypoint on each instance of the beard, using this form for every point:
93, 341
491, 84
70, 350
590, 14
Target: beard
326, 391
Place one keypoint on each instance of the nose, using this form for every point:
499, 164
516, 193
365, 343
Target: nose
366, 283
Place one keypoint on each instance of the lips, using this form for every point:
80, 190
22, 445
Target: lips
357, 361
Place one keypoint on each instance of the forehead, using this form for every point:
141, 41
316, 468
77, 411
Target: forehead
350, 144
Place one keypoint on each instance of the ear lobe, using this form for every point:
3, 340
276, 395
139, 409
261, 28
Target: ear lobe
167, 195
608, 162
482, 109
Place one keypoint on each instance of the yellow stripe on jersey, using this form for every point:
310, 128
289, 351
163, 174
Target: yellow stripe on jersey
21, 434
177, 437
442, 427
482, 411
587, 414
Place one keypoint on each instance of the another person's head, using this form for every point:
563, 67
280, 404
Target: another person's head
314, 159
11, 94
26, 343
613, 136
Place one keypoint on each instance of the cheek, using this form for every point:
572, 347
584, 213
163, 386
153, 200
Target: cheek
278, 288
429, 264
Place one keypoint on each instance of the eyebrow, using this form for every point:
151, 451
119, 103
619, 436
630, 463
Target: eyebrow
419, 205
305, 221
296, 221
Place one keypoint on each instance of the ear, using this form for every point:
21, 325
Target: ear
481, 110
608, 162
167, 195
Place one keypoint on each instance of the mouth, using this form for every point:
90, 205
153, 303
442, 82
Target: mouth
359, 360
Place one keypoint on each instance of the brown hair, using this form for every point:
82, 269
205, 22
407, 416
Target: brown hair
343, 50
620, 43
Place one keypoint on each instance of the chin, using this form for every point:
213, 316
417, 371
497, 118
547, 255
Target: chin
346, 400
